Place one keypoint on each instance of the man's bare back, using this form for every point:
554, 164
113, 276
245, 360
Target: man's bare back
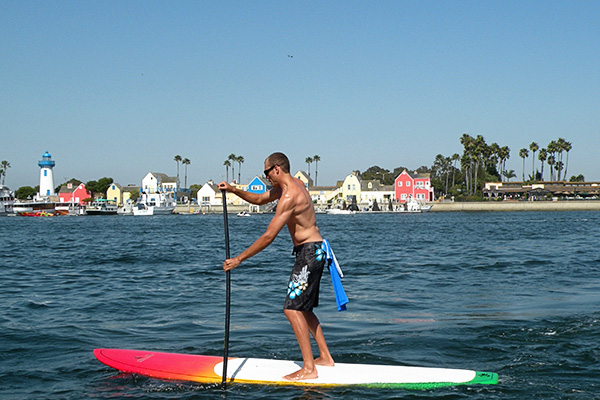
302, 224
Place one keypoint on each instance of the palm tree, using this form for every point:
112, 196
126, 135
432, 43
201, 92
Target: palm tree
177, 159
533, 147
559, 167
510, 174
308, 161
567, 147
186, 162
542, 156
552, 153
523, 153
316, 159
232, 158
455, 158
551, 161
240, 161
5, 166
227, 164
467, 159
503, 154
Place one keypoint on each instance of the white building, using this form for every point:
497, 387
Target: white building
46, 176
156, 182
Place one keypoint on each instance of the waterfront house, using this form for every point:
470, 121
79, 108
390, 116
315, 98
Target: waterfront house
120, 194
258, 185
413, 186
156, 182
350, 189
372, 191
209, 195
324, 195
305, 178
70, 193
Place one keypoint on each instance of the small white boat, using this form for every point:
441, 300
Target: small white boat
244, 214
413, 206
154, 204
339, 211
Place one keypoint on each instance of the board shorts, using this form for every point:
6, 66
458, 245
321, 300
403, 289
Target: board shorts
305, 279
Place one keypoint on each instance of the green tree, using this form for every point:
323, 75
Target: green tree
316, 159
194, 189
567, 146
4, 166
177, 159
227, 164
240, 161
523, 153
509, 175
542, 156
533, 147
186, 162
578, 178
26, 192
99, 187
232, 157
308, 161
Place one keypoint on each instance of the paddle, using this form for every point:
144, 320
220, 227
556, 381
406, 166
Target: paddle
228, 290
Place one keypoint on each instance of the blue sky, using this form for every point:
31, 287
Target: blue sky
118, 88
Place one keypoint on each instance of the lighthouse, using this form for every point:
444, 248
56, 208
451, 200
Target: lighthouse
46, 176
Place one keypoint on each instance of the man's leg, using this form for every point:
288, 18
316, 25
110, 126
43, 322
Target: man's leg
315, 330
301, 330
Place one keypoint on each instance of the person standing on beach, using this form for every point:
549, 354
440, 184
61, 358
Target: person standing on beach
294, 209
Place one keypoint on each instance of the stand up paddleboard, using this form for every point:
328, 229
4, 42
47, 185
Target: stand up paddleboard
209, 369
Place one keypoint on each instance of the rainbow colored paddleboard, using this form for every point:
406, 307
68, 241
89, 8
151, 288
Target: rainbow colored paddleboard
209, 369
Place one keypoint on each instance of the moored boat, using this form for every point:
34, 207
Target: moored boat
7, 199
34, 214
101, 207
339, 211
154, 204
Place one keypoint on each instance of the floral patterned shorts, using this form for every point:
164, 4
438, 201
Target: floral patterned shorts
303, 289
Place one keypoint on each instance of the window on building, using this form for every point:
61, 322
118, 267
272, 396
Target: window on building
399, 183
403, 196
256, 188
407, 183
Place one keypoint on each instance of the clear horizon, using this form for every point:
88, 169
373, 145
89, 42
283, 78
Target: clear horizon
117, 89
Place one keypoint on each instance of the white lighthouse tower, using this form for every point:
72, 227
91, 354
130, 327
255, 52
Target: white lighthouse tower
46, 176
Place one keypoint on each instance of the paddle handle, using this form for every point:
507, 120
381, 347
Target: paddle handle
228, 292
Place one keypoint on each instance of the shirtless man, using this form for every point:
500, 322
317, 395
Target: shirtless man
294, 209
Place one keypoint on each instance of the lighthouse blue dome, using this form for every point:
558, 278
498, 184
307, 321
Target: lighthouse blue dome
46, 161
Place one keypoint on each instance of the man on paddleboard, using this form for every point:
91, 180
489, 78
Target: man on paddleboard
294, 209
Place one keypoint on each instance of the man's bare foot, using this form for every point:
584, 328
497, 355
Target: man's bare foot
302, 374
326, 362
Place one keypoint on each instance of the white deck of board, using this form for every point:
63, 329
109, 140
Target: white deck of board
272, 371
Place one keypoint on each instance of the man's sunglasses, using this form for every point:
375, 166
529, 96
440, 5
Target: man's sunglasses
267, 171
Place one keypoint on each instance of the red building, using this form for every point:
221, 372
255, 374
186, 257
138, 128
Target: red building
70, 194
413, 186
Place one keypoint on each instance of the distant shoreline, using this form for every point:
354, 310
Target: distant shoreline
477, 206
566, 205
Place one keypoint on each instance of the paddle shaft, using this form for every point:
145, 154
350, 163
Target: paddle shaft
228, 291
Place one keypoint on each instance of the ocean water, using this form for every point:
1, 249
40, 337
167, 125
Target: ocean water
512, 293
